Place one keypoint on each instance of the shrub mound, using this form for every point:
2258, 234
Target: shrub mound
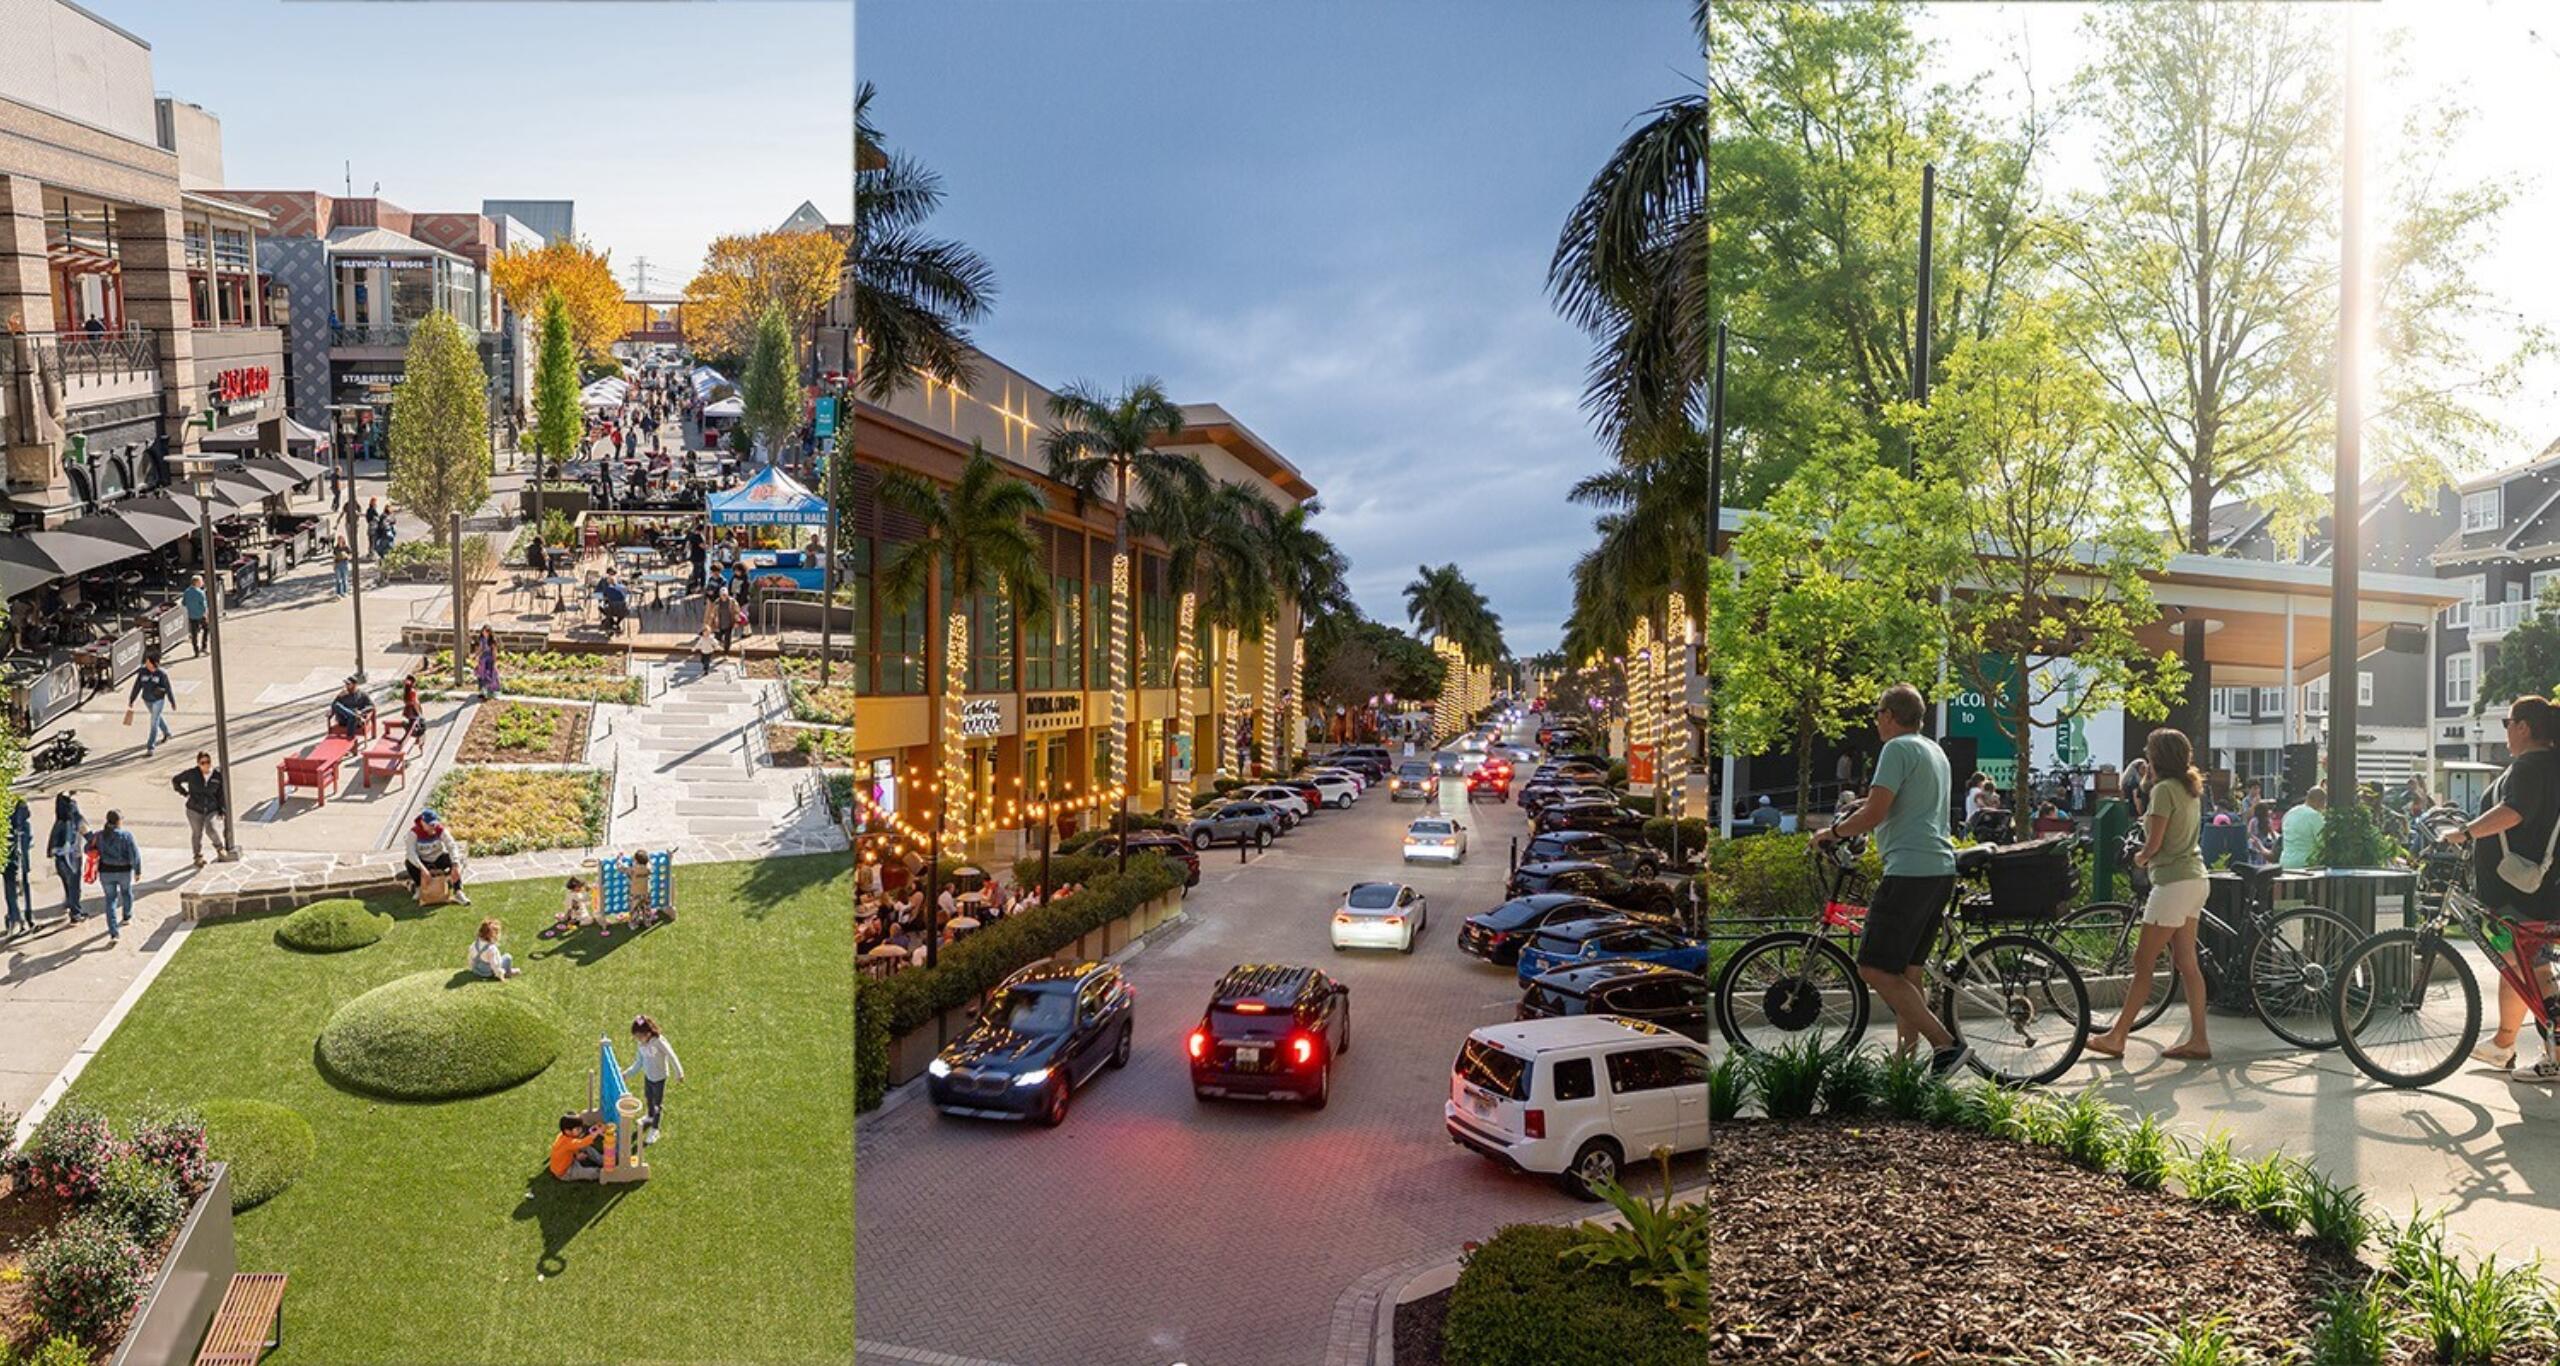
439, 1036
1514, 1305
265, 1143
333, 926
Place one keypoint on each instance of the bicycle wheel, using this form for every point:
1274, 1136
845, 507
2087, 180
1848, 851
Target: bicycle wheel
2099, 940
2293, 966
2019, 1005
2419, 1005
1785, 987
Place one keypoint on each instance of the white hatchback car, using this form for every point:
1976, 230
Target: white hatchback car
1435, 839
1339, 787
1285, 798
1576, 1096
1380, 915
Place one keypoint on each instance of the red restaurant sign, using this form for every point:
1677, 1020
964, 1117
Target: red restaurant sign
231, 386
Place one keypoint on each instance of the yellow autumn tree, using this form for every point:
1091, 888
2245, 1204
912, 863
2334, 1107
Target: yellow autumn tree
742, 276
582, 277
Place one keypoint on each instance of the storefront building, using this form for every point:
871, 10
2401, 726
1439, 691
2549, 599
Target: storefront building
132, 307
1038, 712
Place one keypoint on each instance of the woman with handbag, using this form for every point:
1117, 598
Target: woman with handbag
2512, 872
68, 843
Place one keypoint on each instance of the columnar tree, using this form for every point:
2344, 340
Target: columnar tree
770, 389
557, 421
440, 441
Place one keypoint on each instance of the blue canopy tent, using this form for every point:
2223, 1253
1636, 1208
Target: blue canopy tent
771, 498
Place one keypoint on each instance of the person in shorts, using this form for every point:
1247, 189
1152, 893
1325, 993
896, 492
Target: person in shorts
2172, 822
1906, 805
2518, 815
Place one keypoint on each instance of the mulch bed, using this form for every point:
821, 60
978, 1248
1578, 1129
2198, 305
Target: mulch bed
1418, 1329
568, 736
1883, 1240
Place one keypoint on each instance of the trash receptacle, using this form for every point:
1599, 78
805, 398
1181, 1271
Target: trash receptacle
2107, 826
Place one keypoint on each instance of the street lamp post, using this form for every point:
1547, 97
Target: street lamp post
200, 479
342, 432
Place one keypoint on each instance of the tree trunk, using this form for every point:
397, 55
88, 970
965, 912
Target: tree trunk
1804, 766
936, 671
1124, 771
2191, 639
461, 642
2022, 735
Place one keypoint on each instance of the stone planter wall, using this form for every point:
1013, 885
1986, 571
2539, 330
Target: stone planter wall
374, 873
180, 1304
909, 1052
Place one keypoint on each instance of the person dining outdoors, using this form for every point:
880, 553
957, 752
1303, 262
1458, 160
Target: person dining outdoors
613, 600
351, 711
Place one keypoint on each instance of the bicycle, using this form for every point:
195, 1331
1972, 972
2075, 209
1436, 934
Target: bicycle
2294, 956
2411, 994
2002, 994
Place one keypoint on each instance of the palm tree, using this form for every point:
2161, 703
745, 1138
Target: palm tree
1630, 268
913, 296
978, 540
1108, 441
1208, 529
1307, 575
1437, 600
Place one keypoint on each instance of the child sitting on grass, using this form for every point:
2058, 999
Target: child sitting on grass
576, 908
575, 1155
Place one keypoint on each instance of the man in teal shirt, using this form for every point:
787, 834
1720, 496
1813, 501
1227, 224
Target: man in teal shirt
2302, 829
1907, 804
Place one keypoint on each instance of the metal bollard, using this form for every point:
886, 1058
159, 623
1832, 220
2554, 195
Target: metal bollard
1515, 853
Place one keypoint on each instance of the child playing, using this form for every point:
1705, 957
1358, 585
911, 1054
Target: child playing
643, 910
577, 908
655, 1060
485, 958
574, 1154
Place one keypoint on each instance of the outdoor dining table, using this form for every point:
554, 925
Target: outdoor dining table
663, 581
560, 584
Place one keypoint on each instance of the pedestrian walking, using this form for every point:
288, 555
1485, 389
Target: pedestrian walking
151, 689
656, 1062
484, 662
341, 562
193, 600
201, 785
1906, 805
19, 877
67, 844
2512, 843
119, 863
2172, 822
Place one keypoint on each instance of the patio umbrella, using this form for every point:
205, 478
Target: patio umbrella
263, 473
133, 535
296, 468
73, 555
235, 491
162, 520
23, 567
886, 951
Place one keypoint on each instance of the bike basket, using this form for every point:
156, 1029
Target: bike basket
2034, 880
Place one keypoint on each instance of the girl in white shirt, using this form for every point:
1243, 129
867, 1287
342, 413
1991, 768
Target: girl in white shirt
655, 1060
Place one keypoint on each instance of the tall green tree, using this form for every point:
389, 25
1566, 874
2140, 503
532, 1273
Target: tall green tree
2527, 660
440, 425
557, 421
913, 295
2205, 274
1442, 602
770, 390
2049, 569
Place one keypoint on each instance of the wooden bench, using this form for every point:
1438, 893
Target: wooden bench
386, 759
249, 1324
315, 768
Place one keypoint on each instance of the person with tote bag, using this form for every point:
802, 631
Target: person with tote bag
2513, 842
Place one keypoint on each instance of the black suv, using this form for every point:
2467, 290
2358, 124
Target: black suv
1590, 846
1271, 1031
1584, 813
1496, 935
1598, 881
1044, 1032
1678, 1001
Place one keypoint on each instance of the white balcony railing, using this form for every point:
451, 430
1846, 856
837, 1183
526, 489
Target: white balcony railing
2490, 620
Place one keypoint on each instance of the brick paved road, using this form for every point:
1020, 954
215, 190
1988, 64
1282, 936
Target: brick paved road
1154, 1229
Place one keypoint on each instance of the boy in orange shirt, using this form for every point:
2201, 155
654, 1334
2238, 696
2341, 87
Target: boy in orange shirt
574, 1155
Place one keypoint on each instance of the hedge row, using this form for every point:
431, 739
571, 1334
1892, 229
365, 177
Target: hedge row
888, 1007
1515, 1305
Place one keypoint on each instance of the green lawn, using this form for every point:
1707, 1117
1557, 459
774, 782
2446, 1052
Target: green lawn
409, 1237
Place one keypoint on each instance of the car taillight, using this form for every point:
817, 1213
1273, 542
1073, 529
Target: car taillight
1303, 1049
1200, 1041
1534, 1123
1251, 1007
1341, 919
1395, 920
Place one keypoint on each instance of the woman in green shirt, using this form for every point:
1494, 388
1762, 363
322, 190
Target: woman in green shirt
2171, 820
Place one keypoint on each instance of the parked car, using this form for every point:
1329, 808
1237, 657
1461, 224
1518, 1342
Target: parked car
1286, 800
1339, 787
1538, 794
1496, 935
1164, 842
1043, 1033
1456, 762
1591, 846
1589, 813
1435, 839
1572, 1098
1380, 915
1592, 941
1369, 754
1271, 1031
1414, 781
1682, 1002
1489, 783
1253, 823
1598, 881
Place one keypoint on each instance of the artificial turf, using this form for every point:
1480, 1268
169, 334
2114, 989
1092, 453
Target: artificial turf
410, 1236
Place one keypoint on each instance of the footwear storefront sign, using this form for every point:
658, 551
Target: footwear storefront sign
1043, 712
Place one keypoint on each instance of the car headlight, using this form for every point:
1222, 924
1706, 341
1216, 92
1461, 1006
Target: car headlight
938, 1068
1033, 1077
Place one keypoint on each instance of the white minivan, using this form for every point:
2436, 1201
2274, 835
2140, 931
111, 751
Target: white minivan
1576, 1097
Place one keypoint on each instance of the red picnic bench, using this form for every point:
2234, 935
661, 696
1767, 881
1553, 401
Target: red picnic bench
386, 759
315, 768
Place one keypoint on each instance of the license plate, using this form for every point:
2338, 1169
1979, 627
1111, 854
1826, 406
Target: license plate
1248, 1056
1482, 1103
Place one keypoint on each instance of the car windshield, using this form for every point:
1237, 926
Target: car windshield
1430, 828
1482, 1065
1025, 1010
1373, 896
1414, 771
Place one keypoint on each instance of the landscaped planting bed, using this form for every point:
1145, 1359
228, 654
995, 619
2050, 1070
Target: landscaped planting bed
830, 706
801, 746
1887, 1217
513, 811
510, 732
555, 674
88, 1211
428, 1232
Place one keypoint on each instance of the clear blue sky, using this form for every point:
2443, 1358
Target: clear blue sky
1332, 218
669, 124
